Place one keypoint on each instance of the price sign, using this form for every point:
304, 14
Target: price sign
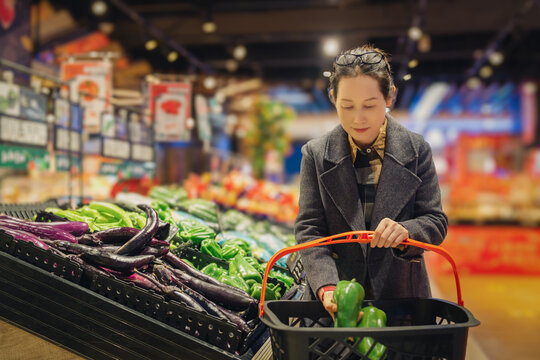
64, 137
115, 148
140, 152
23, 132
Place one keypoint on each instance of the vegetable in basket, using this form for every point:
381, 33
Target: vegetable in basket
372, 318
348, 297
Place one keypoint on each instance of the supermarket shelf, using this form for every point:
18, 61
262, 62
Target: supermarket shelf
87, 323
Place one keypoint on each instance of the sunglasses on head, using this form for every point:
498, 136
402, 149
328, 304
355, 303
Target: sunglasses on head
370, 58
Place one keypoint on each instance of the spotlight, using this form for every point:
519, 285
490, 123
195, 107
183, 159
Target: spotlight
150, 44
210, 82
209, 26
474, 83
496, 58
413, 63
331, 47
99, 8
327, 74
486, 71
239, 52
407, 77
415, 33
172, 56
231, 65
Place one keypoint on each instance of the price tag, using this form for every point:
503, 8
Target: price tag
114, 148
140, 152
62, 140
25, 132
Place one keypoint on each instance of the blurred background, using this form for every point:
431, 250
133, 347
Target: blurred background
103, 97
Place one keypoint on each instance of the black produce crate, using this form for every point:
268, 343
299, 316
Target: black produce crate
417, 329
43, 259
88, 323
26, 211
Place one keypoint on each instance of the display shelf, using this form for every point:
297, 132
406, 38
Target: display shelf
88, 323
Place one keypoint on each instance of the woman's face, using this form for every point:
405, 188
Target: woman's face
361, 108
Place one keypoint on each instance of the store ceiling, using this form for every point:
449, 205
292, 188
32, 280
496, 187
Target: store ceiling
284, 37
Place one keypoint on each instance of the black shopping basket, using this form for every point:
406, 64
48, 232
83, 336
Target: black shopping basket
417, 329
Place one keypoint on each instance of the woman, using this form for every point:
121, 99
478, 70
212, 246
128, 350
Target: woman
369, 173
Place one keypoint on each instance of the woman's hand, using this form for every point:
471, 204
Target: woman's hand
389, 234
328, 304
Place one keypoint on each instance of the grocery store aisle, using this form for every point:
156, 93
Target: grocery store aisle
508, 309
17, 344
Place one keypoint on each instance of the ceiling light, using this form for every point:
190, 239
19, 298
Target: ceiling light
99, 8
210, 82
106, 27
486, 71
415, 33
231, 65
239, 52
496, 58
331, 47
474, 83
327, 74
150, 45
407, 77
209, 26
413, 63
424, 44
172, 56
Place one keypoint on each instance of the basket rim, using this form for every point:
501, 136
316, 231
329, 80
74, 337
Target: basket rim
272, 321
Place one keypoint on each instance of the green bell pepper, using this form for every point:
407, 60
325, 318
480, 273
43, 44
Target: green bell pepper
234, 280
287, 280
373, 318
111, 209
272, 291
139, 221
238, 242
229, 251
211, 247
213, 270
254, 262
189, 263
239, 265
348, 297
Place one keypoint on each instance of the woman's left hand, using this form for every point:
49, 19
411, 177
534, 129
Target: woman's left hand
389, 234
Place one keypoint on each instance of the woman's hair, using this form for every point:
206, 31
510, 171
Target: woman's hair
379, 71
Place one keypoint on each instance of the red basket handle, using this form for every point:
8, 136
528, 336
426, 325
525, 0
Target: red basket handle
361, 237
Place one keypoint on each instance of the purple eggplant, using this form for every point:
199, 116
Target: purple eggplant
148, 250
25, 236
235, 319
176, 294
115, 261
86, 266
73, 227
44, 232
181, 265
68, 247
156, 242
114, 235
143, 282
137, 242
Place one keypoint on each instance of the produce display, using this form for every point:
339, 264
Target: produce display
349, 297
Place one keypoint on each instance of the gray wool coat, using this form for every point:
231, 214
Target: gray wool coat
408, 192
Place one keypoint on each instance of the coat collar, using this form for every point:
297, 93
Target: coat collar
397, 183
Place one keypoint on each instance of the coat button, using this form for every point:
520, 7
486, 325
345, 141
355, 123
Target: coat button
335, 256
368, 150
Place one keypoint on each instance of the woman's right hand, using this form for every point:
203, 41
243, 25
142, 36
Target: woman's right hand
328, 303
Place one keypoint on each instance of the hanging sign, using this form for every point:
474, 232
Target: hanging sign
9, 99
170, 103
90, 82
33, 106
15, 157
23, 132
67, 140
114, 148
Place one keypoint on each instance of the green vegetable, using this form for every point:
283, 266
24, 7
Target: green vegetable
113, 210
238, 242
234, 280
171, 197
211, 247
254, 262
189, 263
287, 280
373, 318
239, 265
272, 291
213, 270
230, 251
348, 297
138, 220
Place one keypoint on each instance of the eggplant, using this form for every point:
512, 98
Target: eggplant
73, 227
235, 319
68, 247
118, 234
158, 243
167, 276
115, 261
166, 231
180, 264
148, 250
137, 242
38, 229
143, 282
25, 236
86, 266
218, 293
176, 294
88, 239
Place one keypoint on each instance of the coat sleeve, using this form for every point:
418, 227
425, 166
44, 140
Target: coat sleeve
429, 223
319, 265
